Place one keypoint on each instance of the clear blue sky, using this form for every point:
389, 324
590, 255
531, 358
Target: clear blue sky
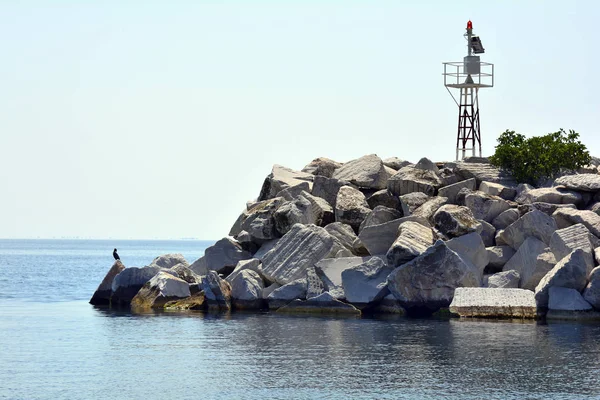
156, 119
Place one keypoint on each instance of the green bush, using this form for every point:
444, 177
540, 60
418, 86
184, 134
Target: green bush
534, 158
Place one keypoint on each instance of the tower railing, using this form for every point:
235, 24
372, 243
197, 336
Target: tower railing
455, 77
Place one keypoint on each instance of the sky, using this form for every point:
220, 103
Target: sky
154, 119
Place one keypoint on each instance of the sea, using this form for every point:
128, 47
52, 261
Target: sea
54, 345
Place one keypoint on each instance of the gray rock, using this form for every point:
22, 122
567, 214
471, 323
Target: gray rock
378, 239
162, 288
351, 207
380, 215
298, 211
330, 270
411, 201
470, 248
549, 195
534, 223
184, 272
504, 279
327, 188
259, 221
252, 264
322, 166
577, 236
102, 295
128, 282
584, 182
287, 293
413, 239
546, 208
395, 163
302, 247
282, 178
484, 206
426, 164
483, 172
410, 179
543, 264
366, 283
365, 172
487, 233
168, 260
322, 304
427, 283
223, 256
455, 221
344, 234
499, 255
505, 218
497, 189
494, 302
322, 208
448, 177
246, 290
570, 272
265, 248
566, 217
566, 299
384, 198
451, 191
429, 208
217, 292
592, 290
291, 192
525, 262
247, 242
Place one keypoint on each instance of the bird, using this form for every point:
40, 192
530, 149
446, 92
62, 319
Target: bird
115, 255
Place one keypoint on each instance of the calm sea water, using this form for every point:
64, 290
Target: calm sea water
53, 345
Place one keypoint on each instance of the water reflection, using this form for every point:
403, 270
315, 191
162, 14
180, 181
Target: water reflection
256, 356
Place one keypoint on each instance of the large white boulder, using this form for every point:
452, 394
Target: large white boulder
471, 248
454, 221
583, 182
570, 272
413, 239
246, 290
484, 206
351, 207
410, 179
302, 247
366, 283
577, 236
365, 172
282, 178
535, 223
128, 282
159, 290
168, 260
102, 295
427, 283
494, 302
566, 217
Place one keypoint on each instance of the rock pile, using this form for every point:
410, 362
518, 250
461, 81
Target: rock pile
375, 235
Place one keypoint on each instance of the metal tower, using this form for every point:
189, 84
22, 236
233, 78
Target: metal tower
468, 76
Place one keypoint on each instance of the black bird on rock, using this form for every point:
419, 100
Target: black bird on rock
115, 255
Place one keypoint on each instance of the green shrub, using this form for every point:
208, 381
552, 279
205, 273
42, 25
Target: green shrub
538, 157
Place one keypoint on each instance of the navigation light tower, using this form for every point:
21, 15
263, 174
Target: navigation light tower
468, 76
